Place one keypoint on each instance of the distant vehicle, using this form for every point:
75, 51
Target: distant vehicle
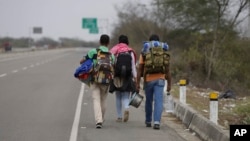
7, 46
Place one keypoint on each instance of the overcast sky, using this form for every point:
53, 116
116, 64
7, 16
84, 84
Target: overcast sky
58, 18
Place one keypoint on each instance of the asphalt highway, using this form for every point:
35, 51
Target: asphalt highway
40, 100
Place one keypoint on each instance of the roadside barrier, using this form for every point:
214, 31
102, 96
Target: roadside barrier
206, 129
214, 107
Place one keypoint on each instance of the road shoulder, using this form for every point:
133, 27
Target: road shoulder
170, 120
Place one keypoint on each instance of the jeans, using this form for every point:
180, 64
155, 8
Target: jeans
122, 102
154, 95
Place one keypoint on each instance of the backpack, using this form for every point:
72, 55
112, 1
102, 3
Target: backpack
149, 44
85, 78
155, 60
123, 65
103, 70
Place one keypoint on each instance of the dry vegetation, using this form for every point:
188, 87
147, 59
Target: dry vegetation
231, 111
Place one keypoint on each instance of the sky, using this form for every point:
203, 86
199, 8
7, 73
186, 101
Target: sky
57, 18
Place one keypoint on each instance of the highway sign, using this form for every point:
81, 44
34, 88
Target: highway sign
94, 30
37, 30
91, 24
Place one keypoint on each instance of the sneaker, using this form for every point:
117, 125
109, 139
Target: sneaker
157, 126
119, 120
126, 115
99, 125
148, 124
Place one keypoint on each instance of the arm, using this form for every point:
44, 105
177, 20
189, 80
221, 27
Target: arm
133, 66
113, 59
139, 72
168, 77
82, 60
89, 55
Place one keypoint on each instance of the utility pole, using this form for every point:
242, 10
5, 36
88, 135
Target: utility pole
248, 27
104, 26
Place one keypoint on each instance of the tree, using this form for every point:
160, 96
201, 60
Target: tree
138, 22
202, 36
45, 41
216, 18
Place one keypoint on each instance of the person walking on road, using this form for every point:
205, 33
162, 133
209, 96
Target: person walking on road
154, 70
124, 77
101, 79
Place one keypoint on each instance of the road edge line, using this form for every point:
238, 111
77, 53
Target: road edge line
74, 130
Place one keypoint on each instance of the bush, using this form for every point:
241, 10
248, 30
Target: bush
243, 111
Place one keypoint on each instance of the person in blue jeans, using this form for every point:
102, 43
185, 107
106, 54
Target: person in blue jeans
124, 82
154, 93
154, 83
122, 102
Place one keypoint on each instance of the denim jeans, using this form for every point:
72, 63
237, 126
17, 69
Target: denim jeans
122, 102
154, 95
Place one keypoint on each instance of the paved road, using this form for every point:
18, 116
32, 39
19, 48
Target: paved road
40, 100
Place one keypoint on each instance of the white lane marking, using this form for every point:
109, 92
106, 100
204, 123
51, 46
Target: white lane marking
2, 75
32, 66
14, 71
74, 130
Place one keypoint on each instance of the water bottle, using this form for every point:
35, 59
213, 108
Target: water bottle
169, 104
168, 100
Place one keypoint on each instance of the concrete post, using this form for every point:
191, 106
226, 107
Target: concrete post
214, 107
183, 91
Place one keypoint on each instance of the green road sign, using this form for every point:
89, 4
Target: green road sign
94, 30
91, 24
